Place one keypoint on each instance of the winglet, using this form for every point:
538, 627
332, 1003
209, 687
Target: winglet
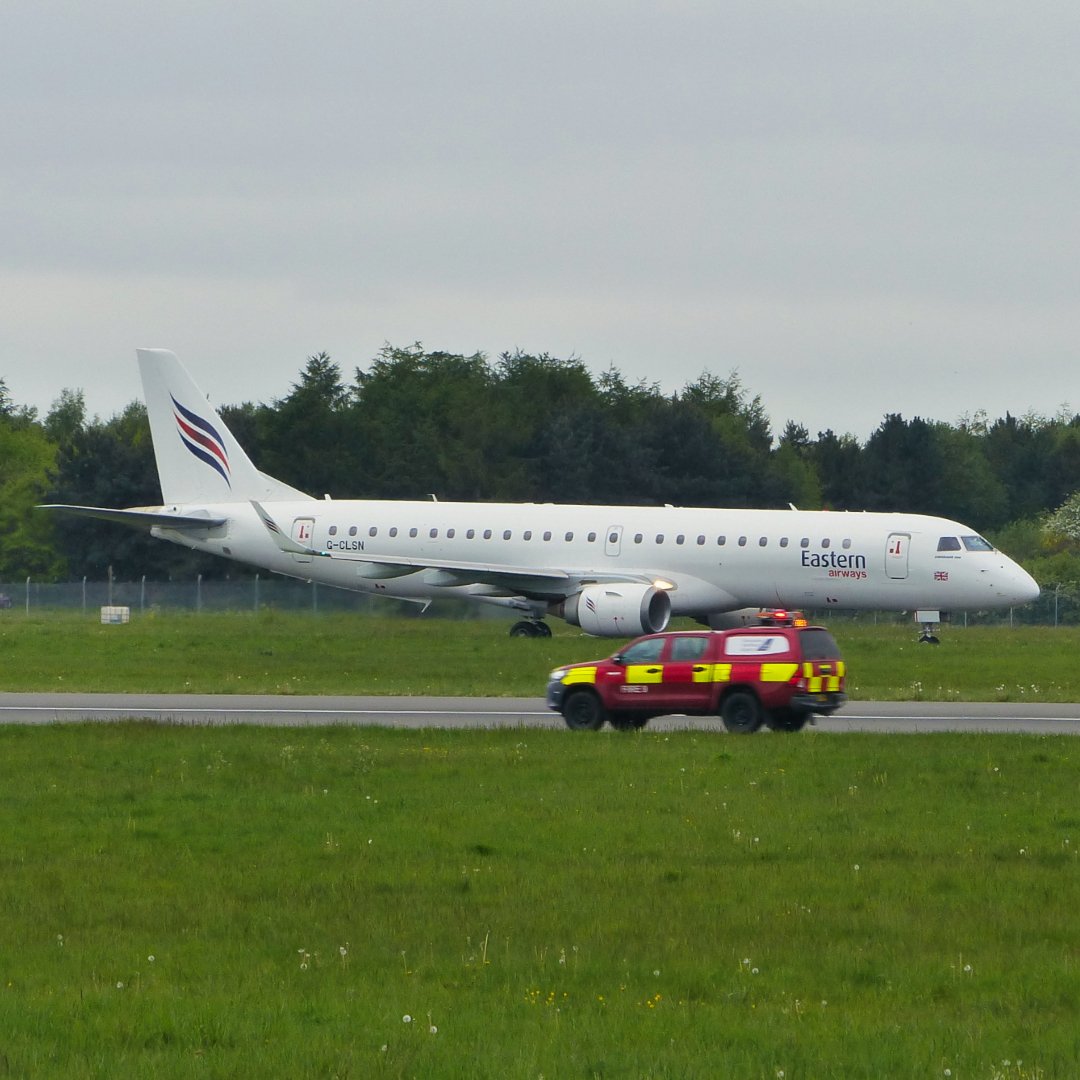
286, 543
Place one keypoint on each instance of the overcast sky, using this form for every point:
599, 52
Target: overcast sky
860, 207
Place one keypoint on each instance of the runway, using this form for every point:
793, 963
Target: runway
455, 712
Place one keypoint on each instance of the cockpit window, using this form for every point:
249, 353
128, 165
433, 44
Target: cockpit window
948, 543
977, 543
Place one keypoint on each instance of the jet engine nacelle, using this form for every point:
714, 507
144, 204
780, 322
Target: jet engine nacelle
618, 610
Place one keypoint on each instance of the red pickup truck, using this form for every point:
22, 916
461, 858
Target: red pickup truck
777, 675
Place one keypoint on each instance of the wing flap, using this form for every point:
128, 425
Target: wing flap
443, 571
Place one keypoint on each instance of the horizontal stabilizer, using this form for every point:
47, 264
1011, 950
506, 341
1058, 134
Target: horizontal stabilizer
139, 516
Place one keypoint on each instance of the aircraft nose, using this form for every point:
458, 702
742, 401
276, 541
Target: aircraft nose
1024, 587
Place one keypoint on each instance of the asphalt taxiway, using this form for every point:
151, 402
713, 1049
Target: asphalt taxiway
458, 712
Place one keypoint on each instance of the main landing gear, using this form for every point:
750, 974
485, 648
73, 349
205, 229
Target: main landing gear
530, 628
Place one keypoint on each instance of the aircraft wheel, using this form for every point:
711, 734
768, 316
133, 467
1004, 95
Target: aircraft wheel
786, 720
525, 628
741, 713
583, 711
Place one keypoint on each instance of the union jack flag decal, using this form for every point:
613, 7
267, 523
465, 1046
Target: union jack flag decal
202, 439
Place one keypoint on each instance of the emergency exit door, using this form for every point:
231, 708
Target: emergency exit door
303, 530
613, 540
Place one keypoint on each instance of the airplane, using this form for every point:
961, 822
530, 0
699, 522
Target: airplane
613, 571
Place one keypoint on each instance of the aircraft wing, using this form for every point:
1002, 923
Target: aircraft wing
139, 515
449, 571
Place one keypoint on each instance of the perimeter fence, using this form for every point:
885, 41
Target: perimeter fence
1059, 605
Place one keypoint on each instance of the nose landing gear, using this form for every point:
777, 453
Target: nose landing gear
929, 620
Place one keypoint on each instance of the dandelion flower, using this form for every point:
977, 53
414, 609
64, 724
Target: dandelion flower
406, 1019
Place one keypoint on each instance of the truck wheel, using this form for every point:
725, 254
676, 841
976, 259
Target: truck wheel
741, 713
786, 720
584, 712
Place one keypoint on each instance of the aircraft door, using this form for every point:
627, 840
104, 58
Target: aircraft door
613, 540
303, 530
896, 555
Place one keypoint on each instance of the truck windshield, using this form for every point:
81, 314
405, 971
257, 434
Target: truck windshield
818, 644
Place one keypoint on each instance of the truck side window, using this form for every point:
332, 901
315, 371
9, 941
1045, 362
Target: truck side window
641, 652
688, 648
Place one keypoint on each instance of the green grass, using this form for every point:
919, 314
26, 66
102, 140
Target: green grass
266, 903
276, 653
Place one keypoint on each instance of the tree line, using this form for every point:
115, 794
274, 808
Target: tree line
534, 428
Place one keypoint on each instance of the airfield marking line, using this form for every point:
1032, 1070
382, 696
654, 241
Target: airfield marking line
268, 712
936, 716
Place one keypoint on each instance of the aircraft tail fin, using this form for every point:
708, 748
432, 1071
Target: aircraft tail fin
198, 459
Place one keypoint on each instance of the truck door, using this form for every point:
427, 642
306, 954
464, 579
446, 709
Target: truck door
686, 678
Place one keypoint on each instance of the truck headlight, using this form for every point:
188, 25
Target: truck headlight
557, 675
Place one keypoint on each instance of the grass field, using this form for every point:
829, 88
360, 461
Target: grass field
277, 653
343, 902
353, 903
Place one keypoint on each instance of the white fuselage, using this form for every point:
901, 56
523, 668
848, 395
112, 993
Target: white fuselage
709, 560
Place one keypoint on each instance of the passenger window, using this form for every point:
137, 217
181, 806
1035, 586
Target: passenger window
471, 534
742, 541
701, 541
804, 542
826, 543
569, 537
688, 648
721, 541
547, 535
352, 530
763, 541
506, 534
948, 543
592, 538
680, 539
450, 533
783, 541
333, 530
413, 532
373, 531
659, 538
847, 544
527, 534
433, 533
393, 530
637, 538
487, 534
